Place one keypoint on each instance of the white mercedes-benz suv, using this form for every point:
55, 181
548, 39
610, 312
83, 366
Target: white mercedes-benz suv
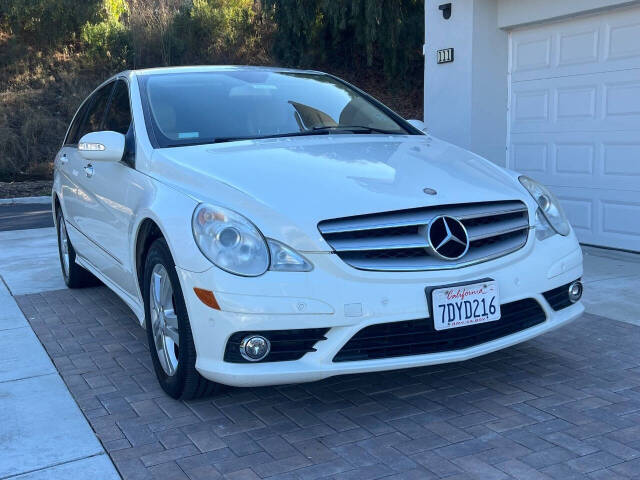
269, 226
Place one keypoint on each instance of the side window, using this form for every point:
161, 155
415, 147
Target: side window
119, 115
77, 121
96, 111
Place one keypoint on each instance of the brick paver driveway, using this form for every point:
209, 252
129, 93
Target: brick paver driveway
564, 406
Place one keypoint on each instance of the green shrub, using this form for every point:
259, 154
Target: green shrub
107, 42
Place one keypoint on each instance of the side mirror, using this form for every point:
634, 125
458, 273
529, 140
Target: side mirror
419, 124
104, 146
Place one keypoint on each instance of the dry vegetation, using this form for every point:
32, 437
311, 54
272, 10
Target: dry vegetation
41, 86
39, 93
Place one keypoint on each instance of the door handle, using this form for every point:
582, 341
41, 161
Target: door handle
64, 159
88, 170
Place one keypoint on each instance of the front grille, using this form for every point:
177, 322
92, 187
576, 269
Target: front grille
285, 344
417, 337
396, 241
558, 298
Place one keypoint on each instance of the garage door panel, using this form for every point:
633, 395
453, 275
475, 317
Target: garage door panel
622, 98
575, 158
530, 157
620, 217
603, 214
594, 43
579, 211
622, 159
576, 102
604, 160
622, 38
578, 46
531, 53
607, 101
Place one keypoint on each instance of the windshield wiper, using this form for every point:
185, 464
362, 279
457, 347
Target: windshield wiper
249, 137
275, 135
326, 130
355, 129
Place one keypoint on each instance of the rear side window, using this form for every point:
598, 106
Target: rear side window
95, 114
119, 114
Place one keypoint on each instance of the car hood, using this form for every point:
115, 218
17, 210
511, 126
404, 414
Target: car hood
287, 185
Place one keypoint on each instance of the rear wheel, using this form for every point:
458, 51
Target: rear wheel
73, 274
168, 330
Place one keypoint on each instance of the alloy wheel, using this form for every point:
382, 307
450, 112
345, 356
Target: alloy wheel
64, 246
164, 321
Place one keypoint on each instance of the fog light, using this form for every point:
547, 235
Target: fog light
254, 348
575, 291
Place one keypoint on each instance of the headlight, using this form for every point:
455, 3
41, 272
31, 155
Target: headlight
236, 245
230, 241
548, 205
286, 259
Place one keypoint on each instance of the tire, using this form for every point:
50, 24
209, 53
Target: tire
73, 274
166, 321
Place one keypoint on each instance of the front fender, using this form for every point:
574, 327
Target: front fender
171, 211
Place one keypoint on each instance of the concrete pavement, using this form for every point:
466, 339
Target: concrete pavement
29, 261
612, 284
43, 433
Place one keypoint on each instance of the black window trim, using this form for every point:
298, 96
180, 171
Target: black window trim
130, 136
90, 98
65, 143
128, 87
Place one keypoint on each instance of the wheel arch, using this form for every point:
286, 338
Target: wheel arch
148, 232
55, 207
162, 217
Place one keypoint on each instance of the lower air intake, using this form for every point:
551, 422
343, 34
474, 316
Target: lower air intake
418, 337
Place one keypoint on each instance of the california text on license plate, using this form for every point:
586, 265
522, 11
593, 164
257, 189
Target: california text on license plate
465, 305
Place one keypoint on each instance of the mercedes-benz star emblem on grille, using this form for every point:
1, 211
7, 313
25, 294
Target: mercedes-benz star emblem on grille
448, 238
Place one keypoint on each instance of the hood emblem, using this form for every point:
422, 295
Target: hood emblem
448, 239
429, 191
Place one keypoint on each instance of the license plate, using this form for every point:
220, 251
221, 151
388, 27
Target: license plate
464, 305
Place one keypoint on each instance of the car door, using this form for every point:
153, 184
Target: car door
75, 198
66, 170
82, 204
114, 189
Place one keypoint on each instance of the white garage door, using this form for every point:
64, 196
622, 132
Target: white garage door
574, 120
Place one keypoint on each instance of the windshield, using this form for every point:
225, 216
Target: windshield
207, 107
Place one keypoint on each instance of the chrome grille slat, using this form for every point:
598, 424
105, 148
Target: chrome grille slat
416, 217
379, 243
479, 232
396, 241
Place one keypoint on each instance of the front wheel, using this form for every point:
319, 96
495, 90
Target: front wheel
168, 330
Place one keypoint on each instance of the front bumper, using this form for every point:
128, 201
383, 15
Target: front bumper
345, 300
